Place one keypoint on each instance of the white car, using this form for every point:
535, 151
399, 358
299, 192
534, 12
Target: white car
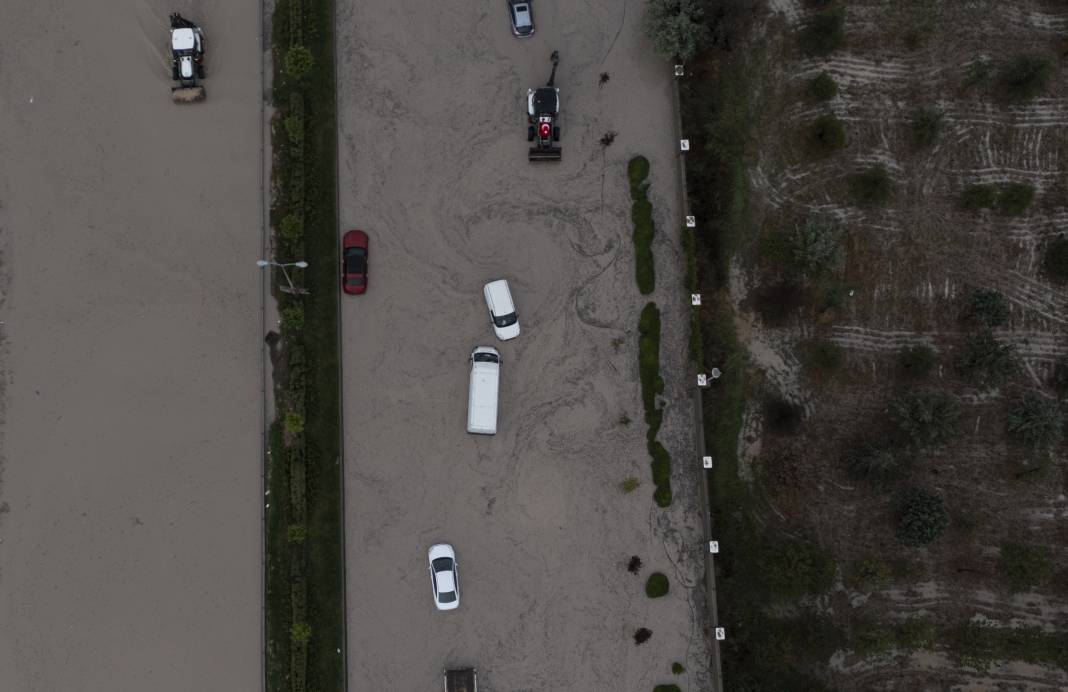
444, 577
501, 309
522, 16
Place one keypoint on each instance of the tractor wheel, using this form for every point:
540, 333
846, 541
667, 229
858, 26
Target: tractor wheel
174, 71
200, 70
530, 133
556, 134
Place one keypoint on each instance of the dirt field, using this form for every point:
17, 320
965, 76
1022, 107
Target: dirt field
909, 267
131, 469
433, 166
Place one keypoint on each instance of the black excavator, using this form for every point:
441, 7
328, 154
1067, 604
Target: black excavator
543, 107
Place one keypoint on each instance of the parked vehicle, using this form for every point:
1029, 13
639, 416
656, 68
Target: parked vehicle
522, 16
444, 576
461, 680
482, 395
354, 263
501, 309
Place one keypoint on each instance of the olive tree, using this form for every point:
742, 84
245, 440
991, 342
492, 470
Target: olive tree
675, 27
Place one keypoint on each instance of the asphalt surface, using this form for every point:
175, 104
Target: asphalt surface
131, 499
433, 166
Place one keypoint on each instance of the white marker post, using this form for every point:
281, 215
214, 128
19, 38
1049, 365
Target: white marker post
691, 222
679, 70
684, 145
721, 634
713, 547
706, 462
695, 299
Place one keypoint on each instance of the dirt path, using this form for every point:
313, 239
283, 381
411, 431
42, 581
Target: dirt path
131, 351
433, 162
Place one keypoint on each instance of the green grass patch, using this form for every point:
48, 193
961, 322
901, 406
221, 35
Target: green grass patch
915, 362
305, 564
1024, 566
1014, 199
979, 645
872, 187
641, 216
652, 384
1025, 76
925, 126
824, 31
657, 585
976, 197
984, 361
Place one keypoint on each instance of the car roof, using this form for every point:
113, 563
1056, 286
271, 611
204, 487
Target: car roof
500, 297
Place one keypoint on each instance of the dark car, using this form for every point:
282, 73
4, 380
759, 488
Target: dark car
522, 15
354, 263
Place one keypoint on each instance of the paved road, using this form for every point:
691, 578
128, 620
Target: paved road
131, 351
433, 166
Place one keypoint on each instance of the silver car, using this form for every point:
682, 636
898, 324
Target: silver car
522, 15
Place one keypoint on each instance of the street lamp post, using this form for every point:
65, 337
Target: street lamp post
291, 288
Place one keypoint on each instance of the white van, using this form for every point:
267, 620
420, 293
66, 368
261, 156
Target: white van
482, 397
501, 309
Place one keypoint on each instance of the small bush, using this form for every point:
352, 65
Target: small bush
641, 216
1035, 421
637, 172
1025, 76
298, 60
917, 360
657, 585
677, 669
871, 574
986, 307
871, 188
676, 27
816, 248
1014, 199
926, 417
634, 565
296, 533
875, 464
294, 423
822, 87
871, 637
1059, 379
291, 228
1055, 260
824, 32
916, 633
292, 319
781, 416
978, 73
642, 635
1024, 566
826, 135
922, 517
294, 126
649, 355
629, 485
661, 463
925, 126
662, 496
791, 569
822, 358
984, 360
976, 197
300, 632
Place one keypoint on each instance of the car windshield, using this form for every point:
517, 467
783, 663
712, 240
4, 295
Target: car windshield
484, 358
442, 564
505, 320
354, 280
447, 596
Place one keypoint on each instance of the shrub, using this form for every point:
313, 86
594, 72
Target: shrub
925, 126
986, 307
1014, 199
677, 668
871, 637
1025, 76
298, 60
781, 416
778, 302
871, 188
916, 633
292, 319
641, 216
875, 464
871, 574
296, 533
978, 72
793, 568
642, 635
637, 172
676, 27
822, 87
294, 126
922, 517
816, 248
1059, 379
926, 417
667, 688
300, 632
662, 496
634, 565
1055, 260
976, 197
824, 32
661, 464
984, 360
826, 135
1035, 421
657, 585
649, 355
822, 358
629, 485
291, 227
917, 360
294, 423
1023, 566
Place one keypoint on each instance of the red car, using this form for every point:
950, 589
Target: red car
354, 263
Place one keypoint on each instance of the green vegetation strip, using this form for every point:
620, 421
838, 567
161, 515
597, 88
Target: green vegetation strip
641, 215
305, 562
652, 384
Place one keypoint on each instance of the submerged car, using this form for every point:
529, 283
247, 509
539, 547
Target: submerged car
522, 16
354, 263
444, 577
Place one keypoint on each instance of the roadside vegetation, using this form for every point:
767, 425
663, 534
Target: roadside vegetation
304, 562
641, 216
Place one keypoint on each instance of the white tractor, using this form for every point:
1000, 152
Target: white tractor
187, 60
